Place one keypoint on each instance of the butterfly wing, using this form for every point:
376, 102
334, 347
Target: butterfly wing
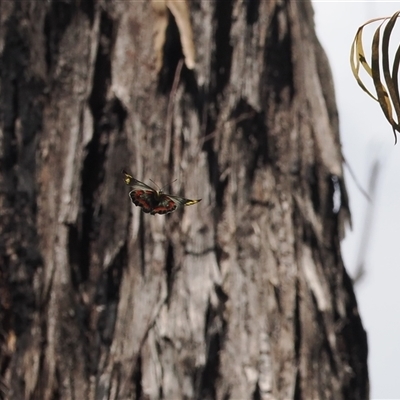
134, 183
169, 203
144, 199
141, 194
165, 205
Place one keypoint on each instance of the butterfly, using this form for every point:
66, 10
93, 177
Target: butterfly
154, 201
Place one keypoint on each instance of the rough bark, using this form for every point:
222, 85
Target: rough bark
242, 296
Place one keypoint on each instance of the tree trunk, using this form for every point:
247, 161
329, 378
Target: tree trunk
242, 296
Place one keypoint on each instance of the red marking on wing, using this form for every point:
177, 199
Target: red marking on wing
141, 198
165, 207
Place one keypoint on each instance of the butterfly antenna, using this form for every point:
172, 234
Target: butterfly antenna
169, 184
160, 189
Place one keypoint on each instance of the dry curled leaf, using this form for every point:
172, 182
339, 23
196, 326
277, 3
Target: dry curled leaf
180, 10
385, 79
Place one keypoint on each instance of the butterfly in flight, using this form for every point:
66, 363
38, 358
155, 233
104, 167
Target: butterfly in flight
153, 201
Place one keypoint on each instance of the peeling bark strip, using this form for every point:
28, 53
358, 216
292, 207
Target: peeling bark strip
180, 11
244, 296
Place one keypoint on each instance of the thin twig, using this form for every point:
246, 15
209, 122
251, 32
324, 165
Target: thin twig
367, 229
353, 175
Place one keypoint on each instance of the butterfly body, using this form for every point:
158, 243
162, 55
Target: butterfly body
154, 201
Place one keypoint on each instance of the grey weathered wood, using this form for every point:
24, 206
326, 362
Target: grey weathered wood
242, 296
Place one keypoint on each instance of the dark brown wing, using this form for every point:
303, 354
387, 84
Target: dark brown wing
144, 198
169, 203
141, 194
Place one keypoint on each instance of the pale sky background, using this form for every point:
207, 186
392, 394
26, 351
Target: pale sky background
367, 137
